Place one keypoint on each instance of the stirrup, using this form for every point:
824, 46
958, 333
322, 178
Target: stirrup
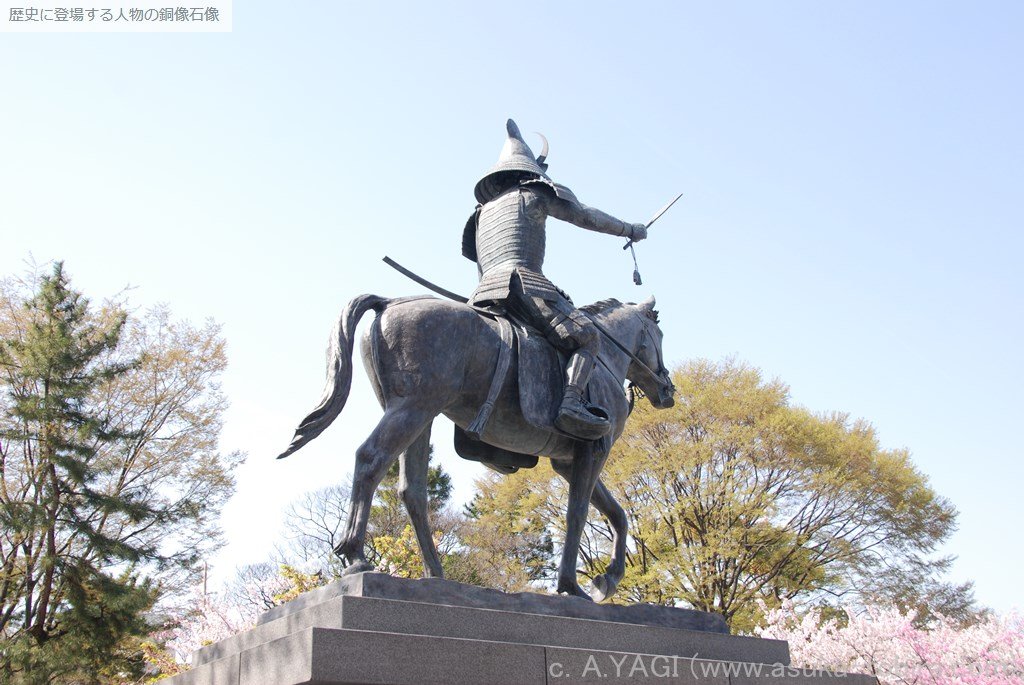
582, 420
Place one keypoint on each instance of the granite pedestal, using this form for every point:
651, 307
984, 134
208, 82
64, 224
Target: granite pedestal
373, 628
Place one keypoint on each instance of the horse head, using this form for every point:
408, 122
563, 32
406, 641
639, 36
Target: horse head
651, 377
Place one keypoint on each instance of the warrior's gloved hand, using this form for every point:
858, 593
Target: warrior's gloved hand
637, 232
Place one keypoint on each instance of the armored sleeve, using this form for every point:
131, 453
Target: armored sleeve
572, 210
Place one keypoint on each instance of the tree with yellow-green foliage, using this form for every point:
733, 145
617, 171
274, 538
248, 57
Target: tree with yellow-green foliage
511, 521
736, 498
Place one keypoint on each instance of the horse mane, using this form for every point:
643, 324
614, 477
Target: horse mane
602, 306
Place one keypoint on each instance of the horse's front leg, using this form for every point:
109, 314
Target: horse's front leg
588, 460
395, 432
606, 583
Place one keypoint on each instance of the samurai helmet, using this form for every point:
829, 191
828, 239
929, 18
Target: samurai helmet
516, 156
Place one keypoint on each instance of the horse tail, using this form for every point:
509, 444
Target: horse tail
339, 371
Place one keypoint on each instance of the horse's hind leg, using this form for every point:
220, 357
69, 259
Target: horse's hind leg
602, 499
412, 484
395, 432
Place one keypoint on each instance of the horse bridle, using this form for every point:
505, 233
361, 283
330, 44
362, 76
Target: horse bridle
636, 360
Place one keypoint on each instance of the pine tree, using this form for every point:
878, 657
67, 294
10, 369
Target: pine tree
80, 594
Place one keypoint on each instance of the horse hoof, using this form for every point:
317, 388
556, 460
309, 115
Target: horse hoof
574, 590
361, 566
603, 588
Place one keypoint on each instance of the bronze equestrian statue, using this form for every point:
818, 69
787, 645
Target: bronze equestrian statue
426, 357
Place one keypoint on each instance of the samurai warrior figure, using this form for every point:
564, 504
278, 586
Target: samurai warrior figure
506, 238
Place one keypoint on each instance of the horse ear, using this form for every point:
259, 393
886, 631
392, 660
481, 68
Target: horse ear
649, 310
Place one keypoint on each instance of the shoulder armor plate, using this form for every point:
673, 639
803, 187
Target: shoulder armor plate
560, 191
565, 194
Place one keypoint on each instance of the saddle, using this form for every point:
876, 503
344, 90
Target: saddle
541, 385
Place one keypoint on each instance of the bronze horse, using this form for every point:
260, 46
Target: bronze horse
426, 357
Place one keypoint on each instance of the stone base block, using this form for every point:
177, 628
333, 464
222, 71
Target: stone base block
387, 631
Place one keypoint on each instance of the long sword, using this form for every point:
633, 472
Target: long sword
424, 282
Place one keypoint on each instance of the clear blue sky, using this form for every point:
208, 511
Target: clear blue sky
851, 224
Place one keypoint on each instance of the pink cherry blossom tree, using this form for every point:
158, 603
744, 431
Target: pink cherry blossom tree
208, 618
884, 642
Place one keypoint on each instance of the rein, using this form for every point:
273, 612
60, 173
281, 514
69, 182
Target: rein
643, 367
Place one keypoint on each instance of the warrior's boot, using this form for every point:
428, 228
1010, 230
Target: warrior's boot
576, 416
